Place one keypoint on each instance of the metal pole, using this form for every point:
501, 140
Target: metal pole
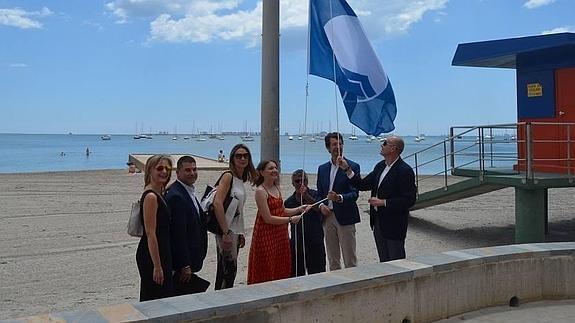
452, 145
569, 150
416, 176
481, 154
491, 145
445, 162
270, 110
529, 151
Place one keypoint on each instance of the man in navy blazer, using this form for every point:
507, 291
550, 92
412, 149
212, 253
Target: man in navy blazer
189, 238
340, 212
393, 193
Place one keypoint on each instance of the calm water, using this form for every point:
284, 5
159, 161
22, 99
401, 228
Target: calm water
40, 153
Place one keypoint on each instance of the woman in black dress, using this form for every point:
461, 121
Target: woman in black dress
154, 255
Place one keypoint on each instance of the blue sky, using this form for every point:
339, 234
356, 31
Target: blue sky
113, 66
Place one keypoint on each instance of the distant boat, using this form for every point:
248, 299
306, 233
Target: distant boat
175, 137
290, 137
106, 137
299, 137
220, 137
247, 138
201, 139
186, 137
353, 136
312, 139
419, 138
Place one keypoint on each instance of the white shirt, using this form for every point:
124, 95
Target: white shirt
332, 173
192, 192
239, 191
385, 171
381, 177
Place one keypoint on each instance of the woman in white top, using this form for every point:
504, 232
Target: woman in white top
228, 244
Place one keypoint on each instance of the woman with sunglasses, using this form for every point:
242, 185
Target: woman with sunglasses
154, 256
270, 253
241, 170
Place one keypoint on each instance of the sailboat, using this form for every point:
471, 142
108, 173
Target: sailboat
420, 136
175, 137
353, 136
247, 136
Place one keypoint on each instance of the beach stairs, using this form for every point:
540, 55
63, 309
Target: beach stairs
457, 191
477, 183
531, 196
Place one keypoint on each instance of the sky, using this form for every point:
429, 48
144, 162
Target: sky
120, 66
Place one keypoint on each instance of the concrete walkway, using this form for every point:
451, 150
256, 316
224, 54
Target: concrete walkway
202, 163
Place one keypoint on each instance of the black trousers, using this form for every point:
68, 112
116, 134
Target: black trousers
387, 249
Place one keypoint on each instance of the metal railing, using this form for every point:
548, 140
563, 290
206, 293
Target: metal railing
521, 148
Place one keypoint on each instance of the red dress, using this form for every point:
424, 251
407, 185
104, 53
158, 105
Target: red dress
270, 254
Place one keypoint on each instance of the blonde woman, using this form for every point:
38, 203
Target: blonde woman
228, 244
154, 256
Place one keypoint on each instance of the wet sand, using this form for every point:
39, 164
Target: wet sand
63, 241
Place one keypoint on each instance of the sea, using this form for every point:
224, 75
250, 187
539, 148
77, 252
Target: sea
25, 153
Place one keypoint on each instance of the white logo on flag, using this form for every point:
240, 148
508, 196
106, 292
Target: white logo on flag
354, 52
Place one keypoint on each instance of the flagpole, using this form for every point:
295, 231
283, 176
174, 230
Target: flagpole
339, 143
270, 81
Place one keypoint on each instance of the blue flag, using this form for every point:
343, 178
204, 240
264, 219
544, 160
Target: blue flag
340, 51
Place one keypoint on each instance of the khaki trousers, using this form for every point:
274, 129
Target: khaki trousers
339, 237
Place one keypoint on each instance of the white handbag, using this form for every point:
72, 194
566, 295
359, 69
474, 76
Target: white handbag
135, 225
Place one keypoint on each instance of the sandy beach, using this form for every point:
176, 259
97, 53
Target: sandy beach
63, 241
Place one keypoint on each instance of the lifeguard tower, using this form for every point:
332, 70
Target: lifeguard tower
544, 133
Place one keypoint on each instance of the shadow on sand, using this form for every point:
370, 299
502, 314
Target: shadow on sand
563, 230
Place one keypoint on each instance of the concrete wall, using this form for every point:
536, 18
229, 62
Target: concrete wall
422, 289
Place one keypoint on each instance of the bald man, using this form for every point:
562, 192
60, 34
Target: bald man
393, 192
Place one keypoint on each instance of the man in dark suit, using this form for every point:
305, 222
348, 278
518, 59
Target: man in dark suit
307, 235
393, 192
189, 237
340, 212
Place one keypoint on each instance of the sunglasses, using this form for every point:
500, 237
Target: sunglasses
242, 156
161, 168
385, 143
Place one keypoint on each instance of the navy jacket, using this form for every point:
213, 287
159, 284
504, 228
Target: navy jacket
189, 236
313, 229
346, 212
399, 191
